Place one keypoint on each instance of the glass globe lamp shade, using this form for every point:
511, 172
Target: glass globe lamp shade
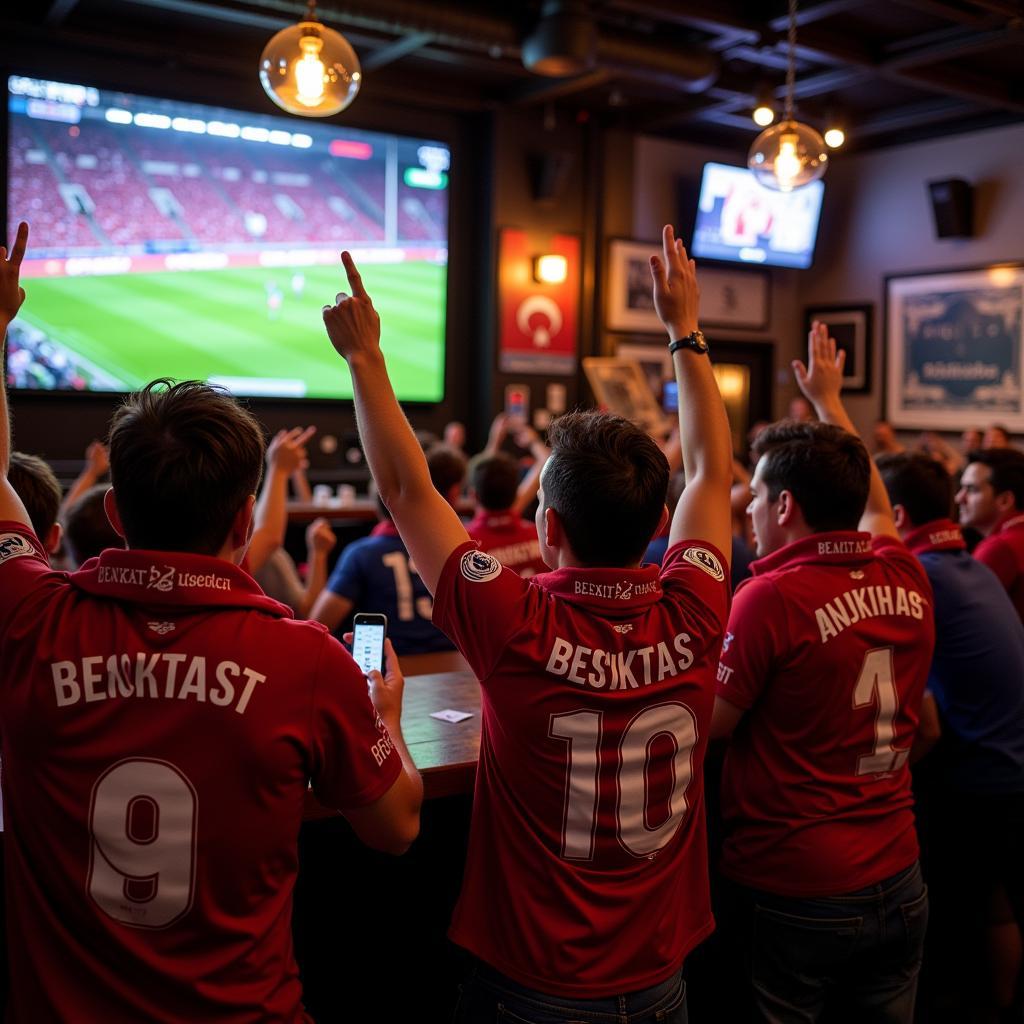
788, 155
310, 70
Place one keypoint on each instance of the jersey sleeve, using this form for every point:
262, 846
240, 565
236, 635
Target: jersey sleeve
694, 574
755, 634
24, 570
999, 558
480, 605
347, 580
354, 761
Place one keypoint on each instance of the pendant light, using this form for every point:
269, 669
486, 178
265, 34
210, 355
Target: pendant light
309, 69
789, 154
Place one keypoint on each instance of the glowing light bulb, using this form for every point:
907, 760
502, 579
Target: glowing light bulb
763, 115
309, 72
309, 69
787, 163
835, 137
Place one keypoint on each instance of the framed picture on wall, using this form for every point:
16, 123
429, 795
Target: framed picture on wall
955, 349
734, 298
851, 327
620, 386
630, 299
653, 357
728, 298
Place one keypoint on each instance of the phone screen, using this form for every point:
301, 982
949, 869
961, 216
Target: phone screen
517, 401
368, 646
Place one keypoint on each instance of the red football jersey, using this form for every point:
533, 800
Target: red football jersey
1003, 552
162, 718
828, 651
512, 541
587, 866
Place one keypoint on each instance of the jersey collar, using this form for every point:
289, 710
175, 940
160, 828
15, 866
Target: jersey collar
1011, 521
938, 535
607, 590
173, 578
491, 520
839, 547
385, 528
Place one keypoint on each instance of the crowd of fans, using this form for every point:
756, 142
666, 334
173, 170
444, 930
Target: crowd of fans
814, 614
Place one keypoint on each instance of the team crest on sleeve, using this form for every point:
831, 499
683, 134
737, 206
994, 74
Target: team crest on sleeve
479, 567
14, 545
703, 559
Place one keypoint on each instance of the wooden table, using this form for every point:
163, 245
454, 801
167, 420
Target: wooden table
446, 754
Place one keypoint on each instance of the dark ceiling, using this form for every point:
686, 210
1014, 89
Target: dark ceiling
892, 70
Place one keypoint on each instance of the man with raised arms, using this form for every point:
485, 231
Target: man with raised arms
586, 876
162, 719
820, 685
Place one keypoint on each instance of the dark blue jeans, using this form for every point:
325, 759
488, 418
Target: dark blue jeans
489, 997
860, 952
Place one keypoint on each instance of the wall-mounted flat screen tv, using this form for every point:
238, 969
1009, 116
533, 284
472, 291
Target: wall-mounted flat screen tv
741, 221
173, 239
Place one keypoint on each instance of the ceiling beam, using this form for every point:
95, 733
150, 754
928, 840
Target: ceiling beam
816, 12
946, 80
946, 11
700, 14
59, 10
390, 52
241, 16
951, 48
912, 115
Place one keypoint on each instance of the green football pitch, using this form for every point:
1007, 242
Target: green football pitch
255, 323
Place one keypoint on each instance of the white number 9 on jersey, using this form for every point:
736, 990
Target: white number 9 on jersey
142, 822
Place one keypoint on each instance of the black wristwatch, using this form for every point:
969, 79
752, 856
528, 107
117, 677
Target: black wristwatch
695, 340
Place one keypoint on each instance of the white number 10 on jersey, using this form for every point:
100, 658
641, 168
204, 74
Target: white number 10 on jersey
584, 732
142, 822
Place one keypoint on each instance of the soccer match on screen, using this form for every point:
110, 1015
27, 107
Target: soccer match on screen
202, 242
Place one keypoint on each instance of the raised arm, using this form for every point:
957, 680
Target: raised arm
12, 295
97, 463
320, 541
429, 526
703, 511
821, 381
286, 454
528, 438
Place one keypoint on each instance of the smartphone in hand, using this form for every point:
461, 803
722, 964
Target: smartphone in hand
368, 641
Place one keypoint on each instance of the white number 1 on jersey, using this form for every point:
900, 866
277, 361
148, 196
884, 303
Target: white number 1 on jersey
877, 681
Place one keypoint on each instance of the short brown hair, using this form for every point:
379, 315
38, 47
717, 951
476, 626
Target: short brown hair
495, 478
607, 480
183, 458
447, 467
87, 531
37, 486
825, 468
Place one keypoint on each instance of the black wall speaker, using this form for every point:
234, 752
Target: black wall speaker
549, 175
953, 208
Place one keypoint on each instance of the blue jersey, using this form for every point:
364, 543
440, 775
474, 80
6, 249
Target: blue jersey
375, 574
977, 673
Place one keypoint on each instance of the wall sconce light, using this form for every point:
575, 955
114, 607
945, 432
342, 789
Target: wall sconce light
309, 69
550, 269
